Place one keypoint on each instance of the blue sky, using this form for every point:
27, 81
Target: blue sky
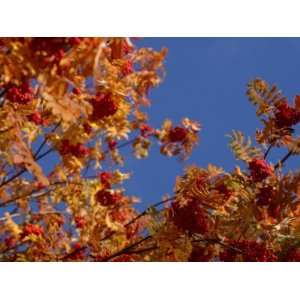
206, 81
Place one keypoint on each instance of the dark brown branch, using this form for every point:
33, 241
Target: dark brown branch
218, 241
1, 96
24, 170
13, 247
24, 196
145, 212
35, 191
268, 150
45, 141
284, 159
143, 250
126, 249
35, 156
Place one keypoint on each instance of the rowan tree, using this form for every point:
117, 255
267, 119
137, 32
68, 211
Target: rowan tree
68, 107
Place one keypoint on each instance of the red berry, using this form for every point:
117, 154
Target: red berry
32, 229
36, 118
293, 255
126, 48
119, 215
127, 68
65, 147
286, 116
60, 54
80, 151
21, 94
105, 178
103, 106
274, 210
80, 221
248, 251
200, 254
259, 169
190, 217
74, 41
265, 196
50, 50
107, 198
112, 144
87, 128
77, 246
76, 91
77, 252
10, 241
146, 130
40, 186
177, 134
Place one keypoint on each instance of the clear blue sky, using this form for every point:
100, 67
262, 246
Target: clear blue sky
206, 81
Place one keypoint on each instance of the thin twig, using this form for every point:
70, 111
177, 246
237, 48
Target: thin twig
281, 162
31, 194
145, 212
217, 241
126, 249
45, 141
24, 170
268, 150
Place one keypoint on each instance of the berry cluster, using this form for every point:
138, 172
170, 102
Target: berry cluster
120, 48
32, 229
53, 50
126, 48
105, 179
177, 134
259, 169
74, 41
274, 210
103, 106
119, 215
78, 150
80, 221
107, 197
127, 68
265, 196
200, 254
76, 91
146, 130
249, 251
21, 94
293, 255
87, 128
285, 115
190, 217
36, 118
10, 241
78, 251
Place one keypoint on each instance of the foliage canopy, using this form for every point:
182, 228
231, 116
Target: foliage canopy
75, 103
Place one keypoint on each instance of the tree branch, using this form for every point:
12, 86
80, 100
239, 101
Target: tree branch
45, 140
126, 249
285, 158
145, 212
268, 150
